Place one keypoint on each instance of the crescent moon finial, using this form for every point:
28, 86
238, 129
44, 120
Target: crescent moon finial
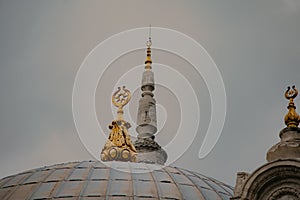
292, 118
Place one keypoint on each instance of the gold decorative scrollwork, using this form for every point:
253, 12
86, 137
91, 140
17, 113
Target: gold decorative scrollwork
121, 97
119, 146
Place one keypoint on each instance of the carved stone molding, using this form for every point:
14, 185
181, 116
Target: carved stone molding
278, 180
285, 193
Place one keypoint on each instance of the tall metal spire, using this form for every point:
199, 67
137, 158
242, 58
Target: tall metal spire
148, 150
146, 119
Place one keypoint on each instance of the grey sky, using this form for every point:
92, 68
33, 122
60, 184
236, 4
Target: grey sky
255, 44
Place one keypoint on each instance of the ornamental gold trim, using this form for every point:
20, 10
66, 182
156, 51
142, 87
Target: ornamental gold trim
292, 118
119, 146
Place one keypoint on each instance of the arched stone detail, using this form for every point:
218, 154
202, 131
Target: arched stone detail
275, 180
285, 193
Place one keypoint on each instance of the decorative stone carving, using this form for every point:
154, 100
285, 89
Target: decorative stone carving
240, 180
279, 179
150, 151
285, 193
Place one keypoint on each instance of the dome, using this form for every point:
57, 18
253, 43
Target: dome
91, 180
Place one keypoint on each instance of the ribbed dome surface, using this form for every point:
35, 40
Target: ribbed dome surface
91, 180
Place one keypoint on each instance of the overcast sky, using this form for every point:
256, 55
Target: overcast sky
255, 45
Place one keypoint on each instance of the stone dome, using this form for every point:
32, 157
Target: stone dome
91, 180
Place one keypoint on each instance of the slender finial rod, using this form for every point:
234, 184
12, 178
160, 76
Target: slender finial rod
149, 42
150, 32
148, 61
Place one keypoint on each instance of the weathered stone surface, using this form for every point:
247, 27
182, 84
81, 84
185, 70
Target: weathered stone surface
148, 80
149, 151
240, 181
146, 120
277, 180
288, 147
153, 157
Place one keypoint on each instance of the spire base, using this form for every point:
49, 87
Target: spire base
149, 151
288, 147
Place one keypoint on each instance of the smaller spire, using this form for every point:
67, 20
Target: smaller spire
118, 146
289, 145
292, 118
148, 61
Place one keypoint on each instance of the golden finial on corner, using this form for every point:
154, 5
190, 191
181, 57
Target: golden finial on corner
148, 61
119, 146
292, 118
